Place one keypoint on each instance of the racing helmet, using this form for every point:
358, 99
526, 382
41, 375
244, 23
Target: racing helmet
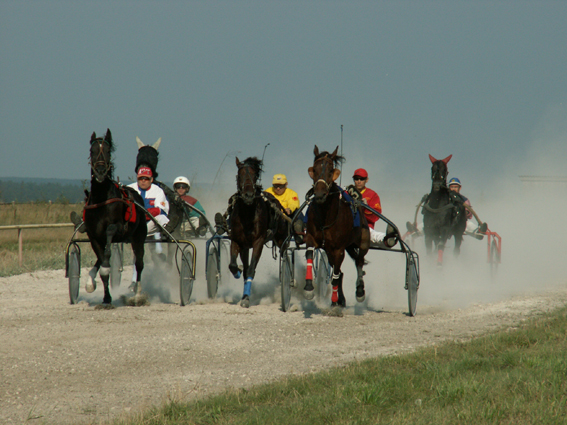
455, 180
182, 180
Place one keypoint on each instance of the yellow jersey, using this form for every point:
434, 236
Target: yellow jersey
288, 199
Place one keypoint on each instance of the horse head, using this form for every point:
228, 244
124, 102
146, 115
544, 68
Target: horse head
439, 172
248, 173
147, 156
100, 157
324, 172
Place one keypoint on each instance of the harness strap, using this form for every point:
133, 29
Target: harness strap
437, 210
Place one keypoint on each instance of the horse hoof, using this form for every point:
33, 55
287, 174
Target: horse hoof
245, 302
360, 299
237, 274
90, 287
309, 294
336, 311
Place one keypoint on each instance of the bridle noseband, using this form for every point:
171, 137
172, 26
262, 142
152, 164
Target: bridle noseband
100, 160
247, 180
318, 179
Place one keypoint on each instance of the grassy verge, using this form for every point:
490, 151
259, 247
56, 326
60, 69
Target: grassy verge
43, 249
512, 377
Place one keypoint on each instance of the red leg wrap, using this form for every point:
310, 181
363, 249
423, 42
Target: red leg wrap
335, 296
309, 272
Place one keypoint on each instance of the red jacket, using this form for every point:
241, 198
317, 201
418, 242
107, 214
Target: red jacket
373, 201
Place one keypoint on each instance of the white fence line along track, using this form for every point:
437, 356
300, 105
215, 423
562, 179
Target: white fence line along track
21, 227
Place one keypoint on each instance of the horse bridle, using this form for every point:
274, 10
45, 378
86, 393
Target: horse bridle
439, 178
247, 177
323, 168
100, 160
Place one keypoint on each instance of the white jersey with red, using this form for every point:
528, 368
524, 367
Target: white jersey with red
155, 203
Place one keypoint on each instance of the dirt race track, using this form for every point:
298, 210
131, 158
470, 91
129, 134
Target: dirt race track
63, 363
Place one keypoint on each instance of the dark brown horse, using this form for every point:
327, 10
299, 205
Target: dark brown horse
443, 211
110, 215
330, 225
253, 221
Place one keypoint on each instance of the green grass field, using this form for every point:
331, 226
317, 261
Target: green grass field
43, 249
516, 376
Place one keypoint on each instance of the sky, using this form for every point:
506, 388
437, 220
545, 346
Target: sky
484, 81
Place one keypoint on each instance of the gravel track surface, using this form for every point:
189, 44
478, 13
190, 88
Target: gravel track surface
75, 364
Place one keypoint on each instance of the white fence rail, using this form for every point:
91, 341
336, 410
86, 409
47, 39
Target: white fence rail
21, 227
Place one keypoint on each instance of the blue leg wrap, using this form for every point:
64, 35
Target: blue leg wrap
247, 286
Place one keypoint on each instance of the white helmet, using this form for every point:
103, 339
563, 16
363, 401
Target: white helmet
182, 179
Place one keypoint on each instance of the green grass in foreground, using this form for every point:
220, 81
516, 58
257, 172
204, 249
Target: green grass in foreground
516, 376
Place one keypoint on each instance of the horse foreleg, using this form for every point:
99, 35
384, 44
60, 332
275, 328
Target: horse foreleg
309, 289
138, 251
336, 258
110, 232
245, 301
233, 267
458, 241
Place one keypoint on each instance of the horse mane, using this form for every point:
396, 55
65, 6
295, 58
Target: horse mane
338, 160
255, 163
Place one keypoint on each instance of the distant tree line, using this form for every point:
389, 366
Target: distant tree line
27, 191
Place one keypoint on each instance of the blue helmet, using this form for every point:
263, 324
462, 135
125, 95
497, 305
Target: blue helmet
455, 180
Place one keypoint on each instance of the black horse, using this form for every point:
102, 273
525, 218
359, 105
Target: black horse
331, 226
148, 156
110, 215
443, 212
255, 218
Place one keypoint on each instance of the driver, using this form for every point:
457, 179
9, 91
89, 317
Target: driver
196, 224
371, 198
290, 202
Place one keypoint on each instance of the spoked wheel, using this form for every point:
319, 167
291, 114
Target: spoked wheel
186, 279
213, 272
74, 273
494, 257
412, 283
286, 280
323, 275
116, 264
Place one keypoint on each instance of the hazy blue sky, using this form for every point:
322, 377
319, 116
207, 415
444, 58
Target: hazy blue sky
484, 81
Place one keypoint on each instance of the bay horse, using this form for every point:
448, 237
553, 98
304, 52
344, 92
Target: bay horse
443, 212
331, 226
254, 220
110, 215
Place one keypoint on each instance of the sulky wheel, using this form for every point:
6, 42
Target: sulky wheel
116, 264
74, 273
213, 272
412, 283
186, 279
323, 275
286, 280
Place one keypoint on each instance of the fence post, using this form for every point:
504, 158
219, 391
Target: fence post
20, 246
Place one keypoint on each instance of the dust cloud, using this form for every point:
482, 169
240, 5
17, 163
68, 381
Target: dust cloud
527, 215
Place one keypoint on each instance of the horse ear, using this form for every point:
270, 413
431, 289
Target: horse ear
139, 142
237, 162
335, 153
311, 173
108, 136
336, 174
446, 160
156, 144
432, 159
93, 136
316, 151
